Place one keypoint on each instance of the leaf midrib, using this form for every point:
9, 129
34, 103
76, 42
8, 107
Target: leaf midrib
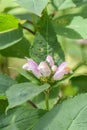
81, 110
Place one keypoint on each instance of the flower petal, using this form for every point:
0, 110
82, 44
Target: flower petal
33, 66
58, 75
36, 72
62, 66
44, 69
49, 59
32, 63
61, 71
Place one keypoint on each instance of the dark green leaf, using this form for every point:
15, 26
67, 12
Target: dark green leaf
46, 42
21, 118
20, 93
79, 2
28, 75
20, 49
38, 51
21, 79
3, 105
5, 83
9, 38
69, 115
80, 82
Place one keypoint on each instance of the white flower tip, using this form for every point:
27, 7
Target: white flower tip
25, 66
54, 68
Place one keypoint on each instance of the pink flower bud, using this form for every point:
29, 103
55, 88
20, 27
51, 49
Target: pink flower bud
49, 59
61, 71
44, 69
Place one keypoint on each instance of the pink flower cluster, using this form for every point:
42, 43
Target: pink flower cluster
47, 68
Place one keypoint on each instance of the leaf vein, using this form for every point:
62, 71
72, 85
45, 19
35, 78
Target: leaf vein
80, 111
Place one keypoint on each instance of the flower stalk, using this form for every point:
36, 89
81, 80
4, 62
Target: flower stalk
47, 99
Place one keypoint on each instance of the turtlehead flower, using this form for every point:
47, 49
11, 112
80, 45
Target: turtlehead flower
47, 68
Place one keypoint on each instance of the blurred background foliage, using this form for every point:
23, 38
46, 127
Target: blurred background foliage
35, 30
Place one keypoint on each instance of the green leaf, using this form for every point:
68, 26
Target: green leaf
66, 4
10, 32
46, 43
67, 32
69, 115
4, 4
72, 3
38, 50
20, 93
9, 38
8, 22
57, 3
5, 83
79, 2
34, 6
79, 24
21, 79
28, 75
21, 118
11, 127
3, 105
20, 49
66, 17
81, 83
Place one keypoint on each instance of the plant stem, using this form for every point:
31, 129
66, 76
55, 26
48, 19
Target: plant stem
83, 53
33, 21
30, 22
78, 66
47, 99
29, 30
32, 104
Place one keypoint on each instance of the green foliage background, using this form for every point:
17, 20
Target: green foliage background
37, 28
